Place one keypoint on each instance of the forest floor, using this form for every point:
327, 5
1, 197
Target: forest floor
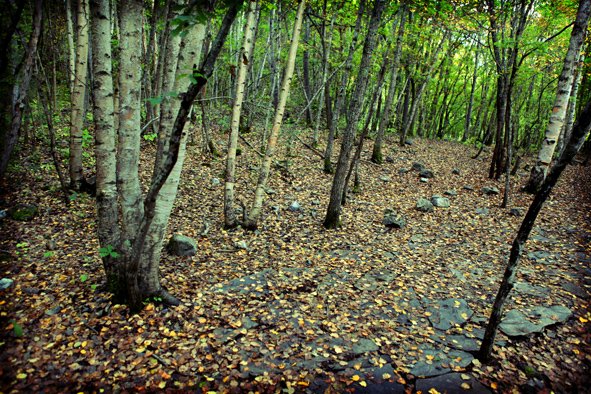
293, 307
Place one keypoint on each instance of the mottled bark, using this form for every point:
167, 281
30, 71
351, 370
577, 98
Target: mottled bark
254, 213
246, 56
333, 213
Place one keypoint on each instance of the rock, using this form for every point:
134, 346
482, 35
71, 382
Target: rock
364, 345
215, 182
482, 211
5, 283
385, 178
181, 245
3, 213
403, 171
446, 314
409, 142
490, 190
23, 212
440, 202
534, 320
575, 290
418, 166
455, 171
270, 191
389, 159
295, 206
426, 174
255, 285
393, 220
462, 342
383, 387
315, 202
451, 192
516, 212
452, 383
241, 245
424, 205
423, 180
468, 187
53, 311
538, 255
435, 362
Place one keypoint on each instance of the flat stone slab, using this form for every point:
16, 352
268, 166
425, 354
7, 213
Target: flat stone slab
534, 320
445, 314
435, 362
451, 383
363, 346
255, 284
575, 290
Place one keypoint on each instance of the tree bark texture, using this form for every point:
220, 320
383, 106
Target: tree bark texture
565, 83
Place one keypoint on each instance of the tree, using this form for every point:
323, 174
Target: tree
78, 112
580, 132
333, 212
130, 250
565, 84
246, 59
251, 220
15, 88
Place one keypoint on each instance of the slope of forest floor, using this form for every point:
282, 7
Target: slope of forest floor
293, 307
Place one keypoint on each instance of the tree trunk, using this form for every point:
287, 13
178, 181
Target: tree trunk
565, 83
306, 71
333, 212
78, 115
20, 89
376, 155
580, 131
246, 56
341, 91
71, 48
471, 100
251, 221
572, 104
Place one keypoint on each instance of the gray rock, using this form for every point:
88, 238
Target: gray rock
450, 383
53, 311
241, 245
490, 190
450, 192
526, 288
409, 142
576, 290
23, 212
5, 283
418, 166
389, 159
403, 171
538, 255
462, 342
423, 180
295, 206
181, 245
516, 212
364, 345
534, 320
455, 171
482, 211
215, 182
424, 205
468, 187
426, 174
385, 178
3, 213
435, 362
448, 313
393, 219
315, 202
270, 191
255, 285
440, 202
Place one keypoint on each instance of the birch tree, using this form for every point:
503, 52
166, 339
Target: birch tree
251, 221
565, 84
246, 56
77, 114
333, 212
131, 243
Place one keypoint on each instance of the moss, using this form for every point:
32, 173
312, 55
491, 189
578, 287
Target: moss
24, 213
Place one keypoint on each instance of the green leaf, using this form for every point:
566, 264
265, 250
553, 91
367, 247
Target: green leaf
83, 278
48, 254
17, 329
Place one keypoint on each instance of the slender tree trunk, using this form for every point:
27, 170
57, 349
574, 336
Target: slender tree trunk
77, 116
565, 83
71, 48
376, 155
326, 48
251, 221
471, 100
246, 56
572, 104
333, 212
341, 91
580, 131
306, 71
21, 89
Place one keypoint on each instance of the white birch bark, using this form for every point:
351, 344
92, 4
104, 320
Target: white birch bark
71, 49
78, 95
130, 76
255, 211
565, 83
246, 58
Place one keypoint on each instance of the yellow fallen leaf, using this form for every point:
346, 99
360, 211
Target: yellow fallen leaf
386, 376
430, 357
363, 384
433, 390
162, 385
338, 349
494, 385
355, 378
582, 319
465, 386
21, 376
